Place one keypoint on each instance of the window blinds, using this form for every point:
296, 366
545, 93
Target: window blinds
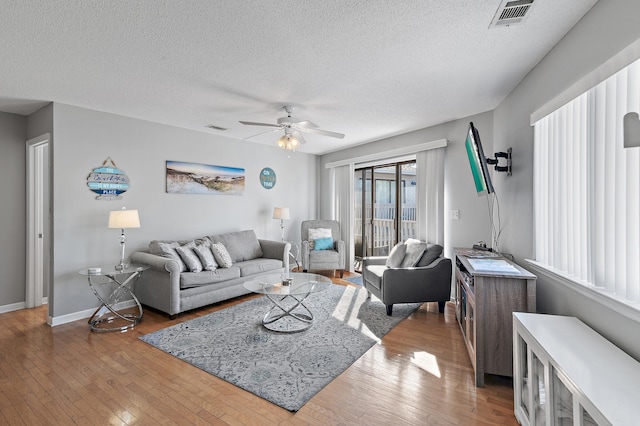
587, 188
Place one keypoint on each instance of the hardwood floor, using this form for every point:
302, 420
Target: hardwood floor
419, 374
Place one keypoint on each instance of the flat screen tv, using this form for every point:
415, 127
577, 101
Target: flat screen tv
478, 162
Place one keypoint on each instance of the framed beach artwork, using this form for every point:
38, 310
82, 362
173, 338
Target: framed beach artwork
196, 178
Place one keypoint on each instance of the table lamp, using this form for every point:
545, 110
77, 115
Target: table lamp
281, 213
123, 219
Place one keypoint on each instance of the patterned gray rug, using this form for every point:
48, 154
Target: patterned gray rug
286, 369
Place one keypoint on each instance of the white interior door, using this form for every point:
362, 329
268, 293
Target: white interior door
37, 162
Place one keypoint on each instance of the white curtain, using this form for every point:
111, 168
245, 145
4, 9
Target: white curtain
343, 205
430, 195
587, 188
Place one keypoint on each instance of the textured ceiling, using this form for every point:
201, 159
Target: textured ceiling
366, 68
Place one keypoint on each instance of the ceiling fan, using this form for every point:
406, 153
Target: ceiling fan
293, 129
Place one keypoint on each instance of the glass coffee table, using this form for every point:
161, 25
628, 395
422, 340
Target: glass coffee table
289, 313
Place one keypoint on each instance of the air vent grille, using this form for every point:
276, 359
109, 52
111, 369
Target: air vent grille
511, 12
211, 126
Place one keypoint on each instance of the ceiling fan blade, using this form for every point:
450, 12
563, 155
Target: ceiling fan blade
253, 123
263, 133
295, 122
320, 132
298, 136
305, 124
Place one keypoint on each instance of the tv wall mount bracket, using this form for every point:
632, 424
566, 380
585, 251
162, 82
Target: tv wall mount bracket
496, 161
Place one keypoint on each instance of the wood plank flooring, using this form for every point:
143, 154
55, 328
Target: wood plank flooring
419, 374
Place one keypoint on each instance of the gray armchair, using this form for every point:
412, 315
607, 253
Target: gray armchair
409, 284
332, 258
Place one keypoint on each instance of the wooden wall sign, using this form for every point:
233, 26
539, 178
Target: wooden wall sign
108, 181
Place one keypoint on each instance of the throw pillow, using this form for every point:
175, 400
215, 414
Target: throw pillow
167, 250
432, 252
396, 255
316, 234
222, 256
323, 244
189, 258
415, 248
206, 257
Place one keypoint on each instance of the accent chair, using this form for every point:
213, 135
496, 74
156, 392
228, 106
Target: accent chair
322, 247
414, 272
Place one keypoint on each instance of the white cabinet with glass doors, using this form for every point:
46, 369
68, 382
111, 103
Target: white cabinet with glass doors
564, 373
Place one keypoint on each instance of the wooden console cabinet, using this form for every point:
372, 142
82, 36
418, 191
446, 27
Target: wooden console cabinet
486, 297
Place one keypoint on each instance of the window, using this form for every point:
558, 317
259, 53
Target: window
587, 189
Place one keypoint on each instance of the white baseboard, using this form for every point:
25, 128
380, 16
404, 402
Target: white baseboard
80, 315
17, 306
63, 319
12, 307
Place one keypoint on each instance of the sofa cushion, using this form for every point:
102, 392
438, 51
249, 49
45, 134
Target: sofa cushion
396, 255
221, 255
168, 250
189, 257
206, 257
197, 279
323, 256
257, 266
242, 245
415, 248
374, 275
432, 252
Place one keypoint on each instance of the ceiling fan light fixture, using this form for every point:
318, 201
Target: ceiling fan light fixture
289, 142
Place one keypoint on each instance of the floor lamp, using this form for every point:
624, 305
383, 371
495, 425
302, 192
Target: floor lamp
123, 219
281, 213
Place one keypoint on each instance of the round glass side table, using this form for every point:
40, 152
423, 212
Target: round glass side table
112, 285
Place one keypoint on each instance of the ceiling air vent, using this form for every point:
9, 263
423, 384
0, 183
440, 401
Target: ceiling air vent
212, 127
511, 12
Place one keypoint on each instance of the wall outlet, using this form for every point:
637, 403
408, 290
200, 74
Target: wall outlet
455, 214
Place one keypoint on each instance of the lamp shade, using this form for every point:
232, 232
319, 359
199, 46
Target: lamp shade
124, 219
289, 142
281, 213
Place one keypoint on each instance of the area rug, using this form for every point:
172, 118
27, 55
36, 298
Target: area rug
287, 369
355, 280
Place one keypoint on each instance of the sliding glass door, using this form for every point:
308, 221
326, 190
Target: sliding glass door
381, 192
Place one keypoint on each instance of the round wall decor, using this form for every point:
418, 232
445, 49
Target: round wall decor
267, 178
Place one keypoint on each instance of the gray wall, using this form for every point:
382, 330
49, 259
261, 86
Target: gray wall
85, 138
459, 189
40, 122
609, 27
12, 208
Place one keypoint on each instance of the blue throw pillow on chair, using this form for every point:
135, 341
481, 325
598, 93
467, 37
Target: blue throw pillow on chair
323, 244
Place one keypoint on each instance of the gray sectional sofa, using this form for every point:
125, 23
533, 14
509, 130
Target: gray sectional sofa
175, 284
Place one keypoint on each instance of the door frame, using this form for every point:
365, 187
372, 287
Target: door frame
36, 214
